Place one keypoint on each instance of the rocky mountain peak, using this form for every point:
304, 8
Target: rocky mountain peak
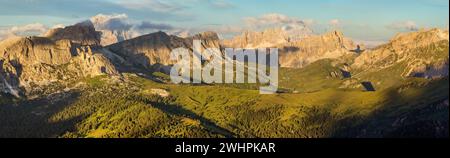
154, 49
264, 39
83, 33
338, 38
423, 53
109, 37
34, 50
420, 38
334, 35
300, 53
209, 35
64, 54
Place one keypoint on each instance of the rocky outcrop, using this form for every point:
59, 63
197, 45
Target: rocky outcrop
109, 37
83, 34
308, 50
149, 49
89, 63
9, 82
295, 52
251, 39
154, 49
35, 50
344, 72
429, 70
420, 54
35, 61
209, 40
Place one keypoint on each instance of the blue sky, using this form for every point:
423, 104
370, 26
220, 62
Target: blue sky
370, 20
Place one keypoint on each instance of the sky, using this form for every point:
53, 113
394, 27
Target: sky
363, 20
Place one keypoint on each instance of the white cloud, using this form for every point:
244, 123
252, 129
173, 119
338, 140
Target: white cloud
121, 22
153, 5
275, 20
29, 29
23, 30
120, 27
58, 26
111, 22
102, 22
404, 26
292, 25
147, 25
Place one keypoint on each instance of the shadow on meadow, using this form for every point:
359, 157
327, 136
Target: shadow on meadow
31, 119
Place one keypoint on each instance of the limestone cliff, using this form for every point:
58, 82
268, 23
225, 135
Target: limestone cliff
295, 52
421, 54
252, 39
154, 49
35, 61
82, 33
308, 50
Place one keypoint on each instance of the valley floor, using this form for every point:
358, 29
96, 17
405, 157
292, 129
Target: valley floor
141, 108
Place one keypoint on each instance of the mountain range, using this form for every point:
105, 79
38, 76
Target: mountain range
329, 87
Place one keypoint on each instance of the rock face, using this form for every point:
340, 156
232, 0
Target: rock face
264, 39
209, 40
8, 81
73, 52
295, 52
109, 37
35, 50
89, 63
34, 61
306, 51
83, 34
421, 54
154, 49
267, 38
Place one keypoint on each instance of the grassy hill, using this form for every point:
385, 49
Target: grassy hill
113, 109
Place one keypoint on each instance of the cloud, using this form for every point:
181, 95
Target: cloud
29, 29
292, 25
101, 22
58, 26
66, 11
404, 26
153, 5
274, 20
224, 31
335, 23
23, 30
121, 22
125, 28
221, 4
147, 25
111, 22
